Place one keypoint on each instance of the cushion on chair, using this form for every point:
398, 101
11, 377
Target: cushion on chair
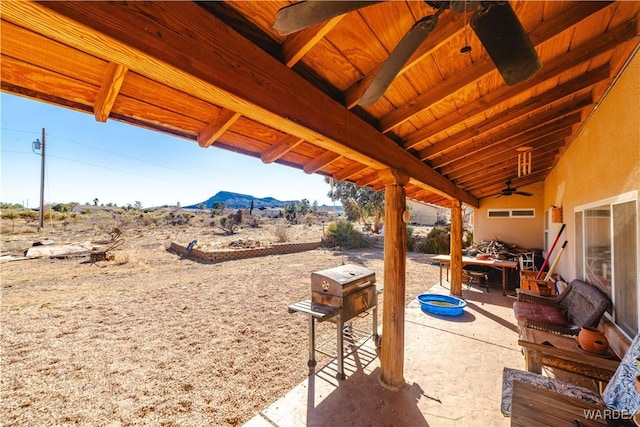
509, 375
538, 313
620, 393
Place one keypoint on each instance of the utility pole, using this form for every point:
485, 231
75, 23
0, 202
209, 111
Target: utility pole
37, 146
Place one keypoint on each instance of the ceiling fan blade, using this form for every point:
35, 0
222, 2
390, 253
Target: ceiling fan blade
400, 55
506, 42
299, 16
523, 193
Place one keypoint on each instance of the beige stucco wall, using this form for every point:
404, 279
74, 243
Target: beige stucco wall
421, 213
602, 162
524, 232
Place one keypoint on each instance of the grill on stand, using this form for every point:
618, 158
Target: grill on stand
339, 294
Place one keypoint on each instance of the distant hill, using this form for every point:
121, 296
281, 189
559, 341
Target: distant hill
240, 201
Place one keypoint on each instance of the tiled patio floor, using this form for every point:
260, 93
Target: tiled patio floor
452, 368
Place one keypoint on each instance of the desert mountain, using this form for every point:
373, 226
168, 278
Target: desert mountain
240, 201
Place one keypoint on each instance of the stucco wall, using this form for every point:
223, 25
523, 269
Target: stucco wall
524, 232
421, 213
602, 162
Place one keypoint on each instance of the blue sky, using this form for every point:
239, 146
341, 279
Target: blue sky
122, 164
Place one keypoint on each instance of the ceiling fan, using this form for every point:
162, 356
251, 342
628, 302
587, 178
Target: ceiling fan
509, 190
494, 22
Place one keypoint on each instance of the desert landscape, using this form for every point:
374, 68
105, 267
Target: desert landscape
149, 337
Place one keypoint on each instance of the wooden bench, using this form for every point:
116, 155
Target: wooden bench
557, 409
562, 352
580, 304
533, 399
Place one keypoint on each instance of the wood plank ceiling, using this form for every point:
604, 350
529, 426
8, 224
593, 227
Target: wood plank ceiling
219, 74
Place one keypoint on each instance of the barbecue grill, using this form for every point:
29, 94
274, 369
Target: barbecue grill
339, 294
351, 287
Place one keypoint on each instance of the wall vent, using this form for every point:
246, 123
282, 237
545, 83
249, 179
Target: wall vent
511, 213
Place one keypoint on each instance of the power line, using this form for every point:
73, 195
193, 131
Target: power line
107, 151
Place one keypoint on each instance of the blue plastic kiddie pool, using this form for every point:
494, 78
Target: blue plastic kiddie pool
442, 305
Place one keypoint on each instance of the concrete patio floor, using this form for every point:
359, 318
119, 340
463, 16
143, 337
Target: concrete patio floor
452, 369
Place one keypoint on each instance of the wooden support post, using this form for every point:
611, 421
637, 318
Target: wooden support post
395, 256
456, 248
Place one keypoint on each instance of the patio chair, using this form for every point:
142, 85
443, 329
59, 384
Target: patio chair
527, 261
619, 395
580, 304
477, 274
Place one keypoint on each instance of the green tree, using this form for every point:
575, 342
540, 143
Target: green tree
217, 208
291, 212
138, 204
62, 207
359, 203
304, 207
96, 201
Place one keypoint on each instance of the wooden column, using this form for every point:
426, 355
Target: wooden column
395, 256
456, 248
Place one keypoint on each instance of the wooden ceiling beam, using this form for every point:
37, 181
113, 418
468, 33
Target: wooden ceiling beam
321, 161
488, 157
538, 35
507, 167
213, 130
368, 180
111, 84
280, 148
481, 176
438, 201
349, 171
448, 27
566, 89
298, 44
494, 190
584, 52
546, 122
174, 45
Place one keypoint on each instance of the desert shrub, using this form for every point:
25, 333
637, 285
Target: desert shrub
10, 214
231, 222
253, 223
28, 215
149, 218
173, 218
60, 216
342, 233
411, 239
282, 233
437, 242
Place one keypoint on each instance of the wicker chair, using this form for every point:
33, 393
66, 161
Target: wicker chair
580, 304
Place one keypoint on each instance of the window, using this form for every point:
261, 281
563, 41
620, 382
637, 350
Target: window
511, 213
607, 254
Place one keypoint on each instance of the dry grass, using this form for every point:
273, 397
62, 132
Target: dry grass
150, 338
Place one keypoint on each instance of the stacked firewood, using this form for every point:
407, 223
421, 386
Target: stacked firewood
495, 249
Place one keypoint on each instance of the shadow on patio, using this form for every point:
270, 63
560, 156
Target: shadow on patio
452, 368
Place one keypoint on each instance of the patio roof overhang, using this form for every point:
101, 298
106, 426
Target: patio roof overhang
445, 132
219, 74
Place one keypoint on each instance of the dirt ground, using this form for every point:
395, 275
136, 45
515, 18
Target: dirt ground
150, 338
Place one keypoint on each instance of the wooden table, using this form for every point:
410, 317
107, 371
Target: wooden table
498, 264
562, 352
